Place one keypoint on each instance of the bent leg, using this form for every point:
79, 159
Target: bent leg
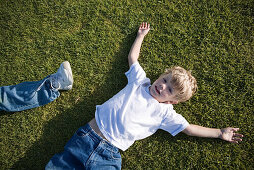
27, 95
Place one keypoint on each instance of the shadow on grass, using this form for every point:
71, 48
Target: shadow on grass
2, 113
60, 129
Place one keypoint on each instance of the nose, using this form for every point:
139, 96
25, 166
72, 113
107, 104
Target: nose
162, 86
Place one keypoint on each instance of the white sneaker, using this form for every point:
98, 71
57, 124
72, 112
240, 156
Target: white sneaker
62, 79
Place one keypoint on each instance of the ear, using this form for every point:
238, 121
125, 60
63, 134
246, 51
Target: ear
171, 102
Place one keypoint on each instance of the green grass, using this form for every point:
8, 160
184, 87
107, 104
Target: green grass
213, 38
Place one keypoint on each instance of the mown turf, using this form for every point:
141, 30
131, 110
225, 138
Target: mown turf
213, 38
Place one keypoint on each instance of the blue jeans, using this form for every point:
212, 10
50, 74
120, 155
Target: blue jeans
27, 95
86, 150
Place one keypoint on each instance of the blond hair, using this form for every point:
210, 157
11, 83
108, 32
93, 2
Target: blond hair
183, 83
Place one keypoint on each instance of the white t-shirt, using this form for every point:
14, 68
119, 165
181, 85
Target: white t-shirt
133, 114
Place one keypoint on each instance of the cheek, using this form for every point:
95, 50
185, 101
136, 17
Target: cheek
166, 94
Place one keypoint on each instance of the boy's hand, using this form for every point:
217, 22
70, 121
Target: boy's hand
143, 29
228, 134
135, 48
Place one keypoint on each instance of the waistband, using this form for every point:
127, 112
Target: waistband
97, 138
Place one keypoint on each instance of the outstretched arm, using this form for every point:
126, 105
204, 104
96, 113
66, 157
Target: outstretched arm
228, 134
135, 49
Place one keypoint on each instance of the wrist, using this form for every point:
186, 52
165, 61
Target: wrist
141, 36
220, 133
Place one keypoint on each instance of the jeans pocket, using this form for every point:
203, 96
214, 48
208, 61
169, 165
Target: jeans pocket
78, 140
109, 155
115, 155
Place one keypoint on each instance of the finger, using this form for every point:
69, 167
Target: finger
237, 135
235, 129
141, 26
233, 141
236, 139
146, 25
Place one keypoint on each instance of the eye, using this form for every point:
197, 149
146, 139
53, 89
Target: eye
165, 81
170, 90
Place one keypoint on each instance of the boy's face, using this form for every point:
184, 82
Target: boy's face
163, 91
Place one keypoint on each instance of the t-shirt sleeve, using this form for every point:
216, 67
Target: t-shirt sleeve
173, 123
135, 73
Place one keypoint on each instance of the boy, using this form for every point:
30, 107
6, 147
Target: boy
136, 112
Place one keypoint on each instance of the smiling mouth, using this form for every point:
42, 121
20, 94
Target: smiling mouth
157, 90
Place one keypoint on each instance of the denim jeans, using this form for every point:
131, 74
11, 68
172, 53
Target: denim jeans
27, 95
86, 150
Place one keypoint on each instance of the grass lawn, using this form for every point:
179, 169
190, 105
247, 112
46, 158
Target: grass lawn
213, 38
